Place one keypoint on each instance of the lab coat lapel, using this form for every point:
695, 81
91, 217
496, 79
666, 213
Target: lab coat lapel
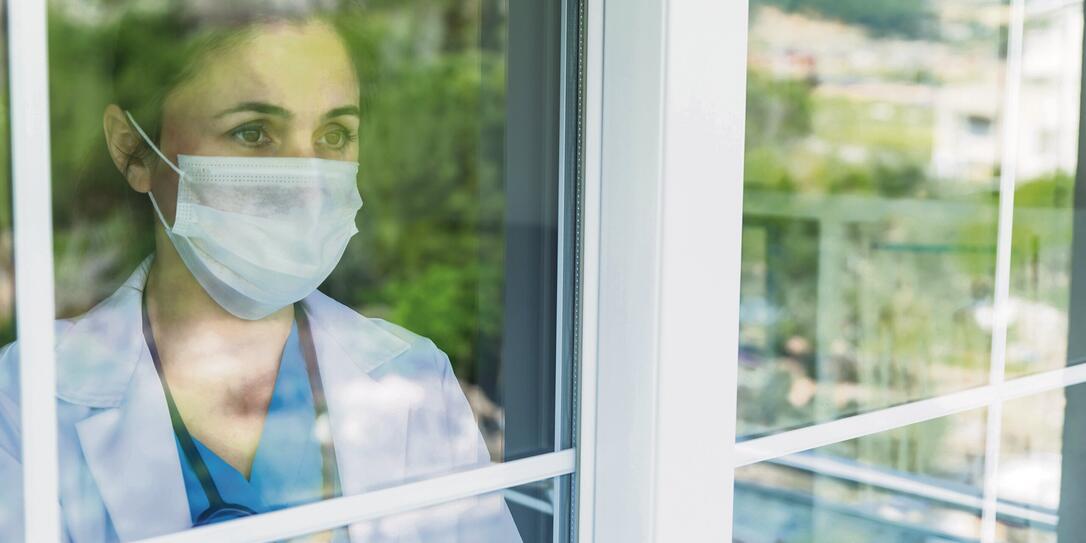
370, 438
127, 442
131, 453
368, 416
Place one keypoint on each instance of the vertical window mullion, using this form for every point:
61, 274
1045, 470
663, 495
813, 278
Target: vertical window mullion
1001, 296
34, 307
630, 73
701, 211
591, 69
670, 155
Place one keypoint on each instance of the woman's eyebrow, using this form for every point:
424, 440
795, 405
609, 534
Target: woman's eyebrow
256, 107
344, 110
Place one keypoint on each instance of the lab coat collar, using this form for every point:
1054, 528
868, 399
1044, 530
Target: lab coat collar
97, 355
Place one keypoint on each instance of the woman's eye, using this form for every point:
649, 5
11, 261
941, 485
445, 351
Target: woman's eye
337, 138
252, 136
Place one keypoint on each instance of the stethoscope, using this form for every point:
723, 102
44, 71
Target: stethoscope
219, 509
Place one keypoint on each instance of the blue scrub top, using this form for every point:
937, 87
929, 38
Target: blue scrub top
287, 466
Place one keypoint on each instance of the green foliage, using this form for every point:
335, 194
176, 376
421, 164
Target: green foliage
430, 251
763, 167
879, 177
1056, 190
1042, 237
893, 131
906, 18
782, 114
83, 187
778, 111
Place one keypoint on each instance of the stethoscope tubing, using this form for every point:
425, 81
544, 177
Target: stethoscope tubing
217, 506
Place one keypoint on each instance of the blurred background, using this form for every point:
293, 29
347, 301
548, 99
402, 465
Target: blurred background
874, 151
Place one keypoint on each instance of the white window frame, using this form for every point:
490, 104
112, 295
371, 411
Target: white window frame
33, 224
663, 225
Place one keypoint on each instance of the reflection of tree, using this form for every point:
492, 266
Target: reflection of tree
781, 130
868, 121
778, 111
886, 290
881, 284
907, 18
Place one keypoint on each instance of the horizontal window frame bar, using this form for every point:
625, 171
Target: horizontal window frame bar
329, 514
890, 418
875, 477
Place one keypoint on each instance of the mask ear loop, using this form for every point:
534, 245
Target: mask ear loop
155, 148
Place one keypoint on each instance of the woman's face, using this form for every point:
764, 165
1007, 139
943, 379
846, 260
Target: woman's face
284, 90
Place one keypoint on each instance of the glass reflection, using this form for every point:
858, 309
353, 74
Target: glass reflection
919, 483
871, 182
1040, 297
1041, 467
1028, 480
534, 507
210, 163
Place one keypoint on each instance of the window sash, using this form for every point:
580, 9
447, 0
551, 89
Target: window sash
780, 446
35, 314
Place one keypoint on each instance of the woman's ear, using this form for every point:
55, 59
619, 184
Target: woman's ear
124, 143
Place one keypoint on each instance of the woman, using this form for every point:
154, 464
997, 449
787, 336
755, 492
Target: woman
217, 383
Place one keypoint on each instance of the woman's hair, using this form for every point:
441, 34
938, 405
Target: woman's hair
156, 50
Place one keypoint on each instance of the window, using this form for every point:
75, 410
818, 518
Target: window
909, 272
208, 163
825, 287
914, 483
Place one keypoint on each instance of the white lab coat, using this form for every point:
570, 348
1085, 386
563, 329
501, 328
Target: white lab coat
397, 414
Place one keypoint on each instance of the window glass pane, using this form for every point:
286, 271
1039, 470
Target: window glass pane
870, 201
861, 292
241, 333
1041, 467
536, 507
1045, 189
917, 483
533, 508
